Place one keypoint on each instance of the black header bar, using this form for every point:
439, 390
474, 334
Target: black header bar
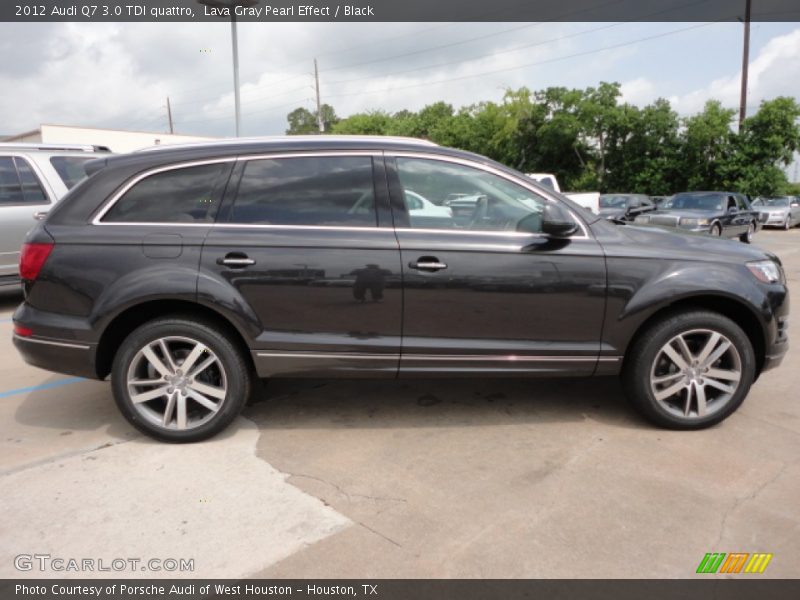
174, 11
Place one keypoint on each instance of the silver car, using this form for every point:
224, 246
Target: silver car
781, 211
32, 178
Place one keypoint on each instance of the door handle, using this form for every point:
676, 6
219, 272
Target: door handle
427, 263
236, 260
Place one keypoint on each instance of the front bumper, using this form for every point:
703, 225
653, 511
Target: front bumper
780, 345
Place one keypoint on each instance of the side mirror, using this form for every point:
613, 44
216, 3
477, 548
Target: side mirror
733, 210
557, 222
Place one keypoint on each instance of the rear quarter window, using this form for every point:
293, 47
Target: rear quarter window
179, 195
70, 169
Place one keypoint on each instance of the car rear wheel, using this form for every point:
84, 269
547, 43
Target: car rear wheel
689, 370
180, 380
747, 236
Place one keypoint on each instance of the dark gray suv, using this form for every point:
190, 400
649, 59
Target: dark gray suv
184, 273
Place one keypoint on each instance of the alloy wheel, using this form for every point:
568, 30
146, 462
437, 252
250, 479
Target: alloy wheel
696, 373
177, 383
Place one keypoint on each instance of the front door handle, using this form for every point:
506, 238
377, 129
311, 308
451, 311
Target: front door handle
427, 263
236, 259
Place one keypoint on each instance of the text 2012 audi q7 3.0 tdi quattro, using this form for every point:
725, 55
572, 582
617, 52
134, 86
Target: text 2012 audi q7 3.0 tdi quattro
186, 272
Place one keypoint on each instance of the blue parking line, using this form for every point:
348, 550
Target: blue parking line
44, 386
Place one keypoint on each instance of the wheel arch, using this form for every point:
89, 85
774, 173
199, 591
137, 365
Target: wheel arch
735, 310
134, 316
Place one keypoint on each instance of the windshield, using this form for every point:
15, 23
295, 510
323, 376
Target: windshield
775, 201
70, 168
613, 201
698, 201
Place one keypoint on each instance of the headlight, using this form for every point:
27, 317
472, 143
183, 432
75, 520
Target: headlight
692, 222
767, 271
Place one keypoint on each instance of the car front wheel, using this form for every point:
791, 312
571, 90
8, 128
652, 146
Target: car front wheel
690, 370
180, 380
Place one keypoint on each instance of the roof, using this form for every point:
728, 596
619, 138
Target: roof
200, 151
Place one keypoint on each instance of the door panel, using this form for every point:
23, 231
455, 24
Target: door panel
504, 304
495, 302
323, 299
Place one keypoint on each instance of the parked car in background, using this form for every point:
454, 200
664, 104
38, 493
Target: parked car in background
32, 178
721, 214
781, 211
624, 207
661, 201
186, 273
588, 200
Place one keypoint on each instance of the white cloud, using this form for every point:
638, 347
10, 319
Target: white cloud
774, 72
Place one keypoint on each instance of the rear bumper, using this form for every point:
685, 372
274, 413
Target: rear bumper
58, 355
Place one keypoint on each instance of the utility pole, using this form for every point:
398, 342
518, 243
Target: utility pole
320, 122
745, 64
169, 116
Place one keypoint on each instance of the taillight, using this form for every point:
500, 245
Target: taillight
32, 259
23, 331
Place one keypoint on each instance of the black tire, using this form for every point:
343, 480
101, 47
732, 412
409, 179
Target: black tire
231, 370
747, 236
787, 224
716, 230
646, 350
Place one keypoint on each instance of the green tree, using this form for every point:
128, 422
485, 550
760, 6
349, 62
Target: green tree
303, 121
767, 142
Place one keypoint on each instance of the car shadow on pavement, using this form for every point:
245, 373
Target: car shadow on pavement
295, 404
87, 406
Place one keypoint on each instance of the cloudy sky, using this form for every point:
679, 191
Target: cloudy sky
119, 75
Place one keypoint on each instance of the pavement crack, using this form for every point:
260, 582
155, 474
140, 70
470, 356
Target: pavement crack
748, 498
64, 456
379, 534
345, 493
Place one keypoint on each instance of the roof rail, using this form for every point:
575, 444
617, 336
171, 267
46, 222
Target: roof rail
277, 139
54, 147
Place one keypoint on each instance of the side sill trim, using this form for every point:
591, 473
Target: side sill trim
51, 343
449, 357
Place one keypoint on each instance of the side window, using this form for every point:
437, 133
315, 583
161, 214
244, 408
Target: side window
463, 197
313, 190
18, 183
10, 186
31, 186
741, 203
182, 195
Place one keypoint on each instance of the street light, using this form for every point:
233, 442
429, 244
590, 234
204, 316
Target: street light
231, 5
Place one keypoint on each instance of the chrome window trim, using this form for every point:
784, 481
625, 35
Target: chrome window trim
489, 169
109, 204
97, 220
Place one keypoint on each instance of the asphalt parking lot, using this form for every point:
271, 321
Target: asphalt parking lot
365, 479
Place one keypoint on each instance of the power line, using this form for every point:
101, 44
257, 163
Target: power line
526, 65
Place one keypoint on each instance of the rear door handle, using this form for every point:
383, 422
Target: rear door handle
427, 263
236, 259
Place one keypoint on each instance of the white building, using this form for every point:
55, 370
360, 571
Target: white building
117, 140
